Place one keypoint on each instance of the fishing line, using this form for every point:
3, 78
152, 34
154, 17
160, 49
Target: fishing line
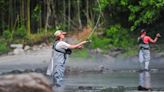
98, 20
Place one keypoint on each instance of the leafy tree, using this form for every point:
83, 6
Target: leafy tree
139, 12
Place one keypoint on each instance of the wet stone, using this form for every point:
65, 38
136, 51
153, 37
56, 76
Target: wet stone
119, 89
85, 88
28, 70
39, 70
12, 72
29, 82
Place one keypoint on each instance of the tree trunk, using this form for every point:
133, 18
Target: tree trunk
69, 15
22, 12
28, 18
87, 12
64, 11
48, 15
40, 20
10, 14
53, 3
92, 14
78, 14
2, 20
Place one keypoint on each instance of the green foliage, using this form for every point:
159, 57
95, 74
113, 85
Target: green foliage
115, 36
20, 36
103, 3
3, 47
146, 12
39, 38
124, 2
100, 42
134, 8
20, 33
7, 34
119, 37
80, 53
36, 12
139, 12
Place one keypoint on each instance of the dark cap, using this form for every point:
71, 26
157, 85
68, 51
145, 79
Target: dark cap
143, 30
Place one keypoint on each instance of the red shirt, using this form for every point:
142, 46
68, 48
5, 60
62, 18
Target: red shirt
147, 39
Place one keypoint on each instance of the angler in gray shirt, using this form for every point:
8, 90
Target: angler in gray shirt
60, 53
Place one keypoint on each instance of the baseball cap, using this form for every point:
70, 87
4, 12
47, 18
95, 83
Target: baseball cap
143, 31
58, 32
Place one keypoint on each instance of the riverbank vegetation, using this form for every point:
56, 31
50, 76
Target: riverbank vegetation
116, 23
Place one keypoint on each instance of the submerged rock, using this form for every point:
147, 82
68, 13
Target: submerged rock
29, 82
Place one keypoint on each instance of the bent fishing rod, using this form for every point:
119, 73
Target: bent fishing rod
95, 27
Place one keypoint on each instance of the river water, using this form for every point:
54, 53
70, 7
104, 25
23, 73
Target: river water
124, 79
127, 81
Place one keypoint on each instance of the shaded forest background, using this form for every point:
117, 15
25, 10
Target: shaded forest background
116, 23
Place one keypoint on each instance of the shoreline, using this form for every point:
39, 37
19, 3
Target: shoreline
96, 62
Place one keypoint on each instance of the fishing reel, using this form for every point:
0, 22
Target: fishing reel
89, 40
68, 51
158, 35
88, 44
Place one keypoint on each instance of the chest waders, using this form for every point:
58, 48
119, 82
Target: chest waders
58, 72
67, 51
142, 45
144, 54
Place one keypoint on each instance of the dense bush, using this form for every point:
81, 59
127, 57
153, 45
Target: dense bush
119, 36
100, 42
20, 33
7, 34
113, 37
133, 13
80, 53
39, 38
3, 47
19, 36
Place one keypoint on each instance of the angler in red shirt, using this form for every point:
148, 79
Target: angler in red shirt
144, 52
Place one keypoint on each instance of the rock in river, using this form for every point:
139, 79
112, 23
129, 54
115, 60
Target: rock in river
29, 82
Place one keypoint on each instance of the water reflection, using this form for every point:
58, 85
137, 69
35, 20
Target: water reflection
144, 81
